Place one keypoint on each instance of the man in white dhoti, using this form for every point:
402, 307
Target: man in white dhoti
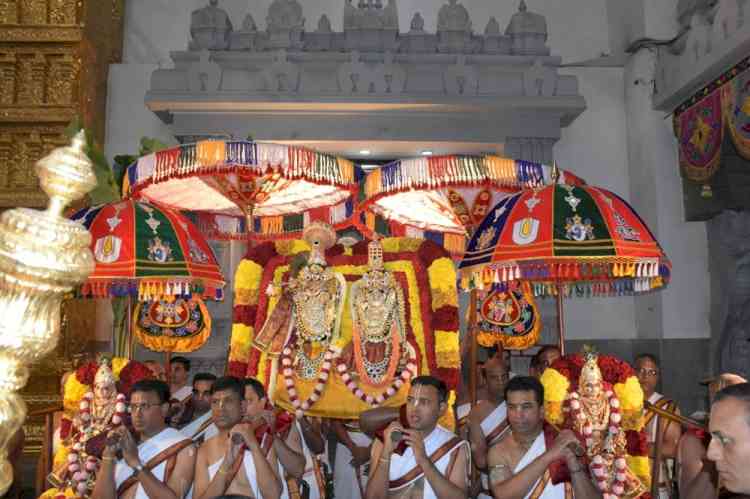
488, 420
196, 421
435, 463
648, 371
179, 372
233, 462
159, 465
519, 462
352, 454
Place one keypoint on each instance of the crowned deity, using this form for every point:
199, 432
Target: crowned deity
99, 412
595, 415
378, 318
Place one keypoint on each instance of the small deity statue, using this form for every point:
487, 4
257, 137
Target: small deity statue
417, 23
210, 28
492, 28
324, 24
350, 15
284, 15
378, 322
596, 417
248, 24
99, 413
390, 15
453, 17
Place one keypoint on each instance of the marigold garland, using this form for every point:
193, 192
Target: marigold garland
430, 314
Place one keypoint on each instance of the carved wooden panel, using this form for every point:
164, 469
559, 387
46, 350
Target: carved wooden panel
54, 56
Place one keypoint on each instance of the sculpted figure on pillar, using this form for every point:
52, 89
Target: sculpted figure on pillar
210, 28
453, 17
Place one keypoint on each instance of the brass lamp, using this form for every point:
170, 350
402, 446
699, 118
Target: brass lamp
42, 257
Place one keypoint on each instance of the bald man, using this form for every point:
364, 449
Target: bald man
488, 419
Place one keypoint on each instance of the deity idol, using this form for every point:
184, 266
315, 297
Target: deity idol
99, 412
378, 319
307, 319
595, 413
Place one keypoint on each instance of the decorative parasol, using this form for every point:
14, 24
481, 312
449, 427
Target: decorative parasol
246, 189
444, 198
153, 253
565, 240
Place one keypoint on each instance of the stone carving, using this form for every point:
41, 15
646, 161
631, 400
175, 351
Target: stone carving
729, 249
713, 31
461, 79
285, 15
324, 24
210, 28
204, 76
527, 32
686, 9
453, 17
284, 25
538, 81
370, 26
492, 28
417, 23
248, 24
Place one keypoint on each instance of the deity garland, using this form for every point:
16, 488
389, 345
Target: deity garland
316, 296
593, 409
382, 356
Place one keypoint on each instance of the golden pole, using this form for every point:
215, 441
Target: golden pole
43, 256
560, 319
472, 337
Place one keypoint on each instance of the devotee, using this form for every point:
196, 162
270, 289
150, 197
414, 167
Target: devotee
288, 448
547, 355
195, 420
159, 464
435, 462
729, 449
648, 371
487, 420
352, 453
179, 371
697, 475
535, 370
233, 462
156, 369
519, 462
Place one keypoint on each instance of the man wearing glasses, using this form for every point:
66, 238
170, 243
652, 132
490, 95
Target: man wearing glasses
647, 369
488, 419
157, 463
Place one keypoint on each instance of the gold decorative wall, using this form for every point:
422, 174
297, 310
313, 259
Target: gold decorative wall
54, 56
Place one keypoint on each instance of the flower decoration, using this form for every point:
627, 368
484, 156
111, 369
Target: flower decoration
624, 402
126, 373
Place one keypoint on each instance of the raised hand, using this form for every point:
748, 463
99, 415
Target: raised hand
129, 448
416, 442
563, 443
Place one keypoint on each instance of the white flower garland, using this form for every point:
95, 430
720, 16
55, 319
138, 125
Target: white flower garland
286, 363
83, 474
390, 391
598, 464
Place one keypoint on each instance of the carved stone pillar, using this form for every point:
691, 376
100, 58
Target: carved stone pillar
729, 265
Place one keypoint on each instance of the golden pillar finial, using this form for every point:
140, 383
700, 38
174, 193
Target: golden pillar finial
42, 257
555, 173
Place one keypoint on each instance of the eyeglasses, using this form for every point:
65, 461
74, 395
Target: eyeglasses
648, 372
144, 406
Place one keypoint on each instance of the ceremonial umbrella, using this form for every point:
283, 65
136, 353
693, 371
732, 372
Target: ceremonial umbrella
150, 252
444, 198
565, 240
244, 189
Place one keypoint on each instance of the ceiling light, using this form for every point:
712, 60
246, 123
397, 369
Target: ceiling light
426, 153
365, 152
